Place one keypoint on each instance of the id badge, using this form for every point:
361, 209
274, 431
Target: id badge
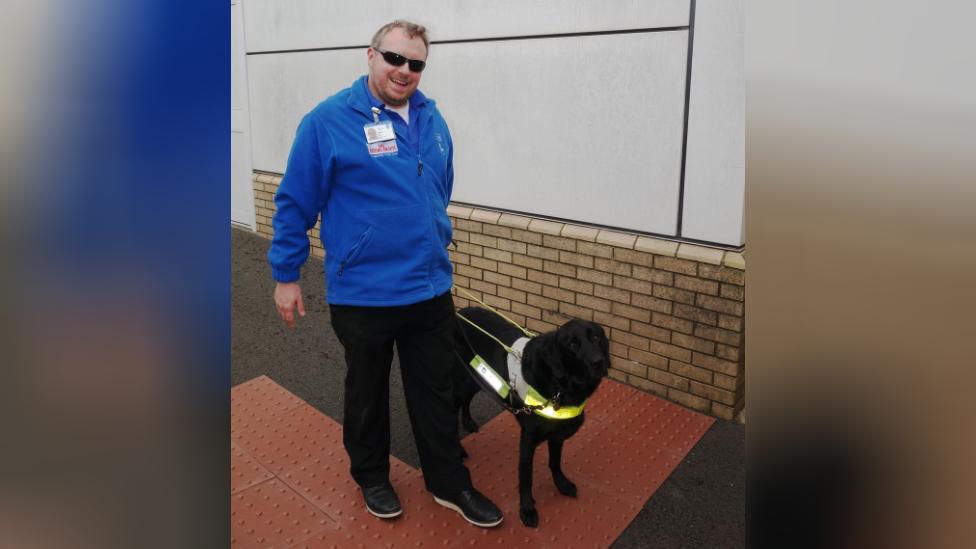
379, 131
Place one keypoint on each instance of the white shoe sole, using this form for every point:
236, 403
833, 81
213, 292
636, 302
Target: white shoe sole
384, 516
450, 505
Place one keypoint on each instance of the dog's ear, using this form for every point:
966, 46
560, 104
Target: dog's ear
592, 347
552, 355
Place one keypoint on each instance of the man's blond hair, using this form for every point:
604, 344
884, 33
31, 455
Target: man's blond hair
413, 30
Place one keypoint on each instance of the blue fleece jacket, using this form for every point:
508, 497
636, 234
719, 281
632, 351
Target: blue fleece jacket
384, 216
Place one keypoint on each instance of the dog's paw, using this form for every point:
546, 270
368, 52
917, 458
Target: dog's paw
530, 517
566, 487
470, 426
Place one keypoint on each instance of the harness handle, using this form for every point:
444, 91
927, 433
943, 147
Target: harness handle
482, 330
467, 294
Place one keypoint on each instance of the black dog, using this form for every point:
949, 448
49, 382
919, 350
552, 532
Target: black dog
569, 362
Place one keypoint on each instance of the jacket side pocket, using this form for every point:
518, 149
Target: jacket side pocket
356, 250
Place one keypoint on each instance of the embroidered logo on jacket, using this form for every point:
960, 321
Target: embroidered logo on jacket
383, 148
440, 144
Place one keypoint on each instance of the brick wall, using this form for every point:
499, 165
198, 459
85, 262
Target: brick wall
674, 312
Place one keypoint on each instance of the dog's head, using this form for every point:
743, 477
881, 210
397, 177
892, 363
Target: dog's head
584, 351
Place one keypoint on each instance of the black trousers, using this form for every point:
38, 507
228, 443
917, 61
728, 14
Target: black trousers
424, 337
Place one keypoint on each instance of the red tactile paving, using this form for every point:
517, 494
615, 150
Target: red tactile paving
245, 471
270, 514
288, 457
607, 399
259, 399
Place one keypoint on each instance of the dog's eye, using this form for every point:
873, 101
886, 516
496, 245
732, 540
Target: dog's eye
595, 338
574, 344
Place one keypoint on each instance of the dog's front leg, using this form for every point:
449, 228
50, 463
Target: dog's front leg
563, 484
527, 512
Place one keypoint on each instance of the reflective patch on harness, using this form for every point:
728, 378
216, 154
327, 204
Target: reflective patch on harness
491, 376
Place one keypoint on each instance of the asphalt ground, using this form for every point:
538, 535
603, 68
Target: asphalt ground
702, 503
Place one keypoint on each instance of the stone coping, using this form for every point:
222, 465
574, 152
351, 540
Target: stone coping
619, 239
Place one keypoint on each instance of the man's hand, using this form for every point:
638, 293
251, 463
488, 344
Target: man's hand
287, 296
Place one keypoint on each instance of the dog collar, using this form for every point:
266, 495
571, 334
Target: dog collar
539, 404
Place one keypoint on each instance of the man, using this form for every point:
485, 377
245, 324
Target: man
375, 160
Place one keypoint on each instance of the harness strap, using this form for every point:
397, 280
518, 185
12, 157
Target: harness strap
515, 368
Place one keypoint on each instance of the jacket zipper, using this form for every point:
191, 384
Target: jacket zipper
430, 218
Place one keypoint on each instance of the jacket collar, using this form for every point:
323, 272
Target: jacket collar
362, 100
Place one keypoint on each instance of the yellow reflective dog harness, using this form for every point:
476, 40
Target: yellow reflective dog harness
539, 404
529, 396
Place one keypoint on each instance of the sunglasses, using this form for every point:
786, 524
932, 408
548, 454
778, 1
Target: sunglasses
398, 60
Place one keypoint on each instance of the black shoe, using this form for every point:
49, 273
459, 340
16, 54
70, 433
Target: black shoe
474, 507
382, 501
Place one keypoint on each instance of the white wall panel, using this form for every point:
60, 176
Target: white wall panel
585, 128
582, 128
284, 87
297, 24
715, 162
241, 186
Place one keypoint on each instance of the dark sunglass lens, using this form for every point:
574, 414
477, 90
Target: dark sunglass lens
394, 59
398, 60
